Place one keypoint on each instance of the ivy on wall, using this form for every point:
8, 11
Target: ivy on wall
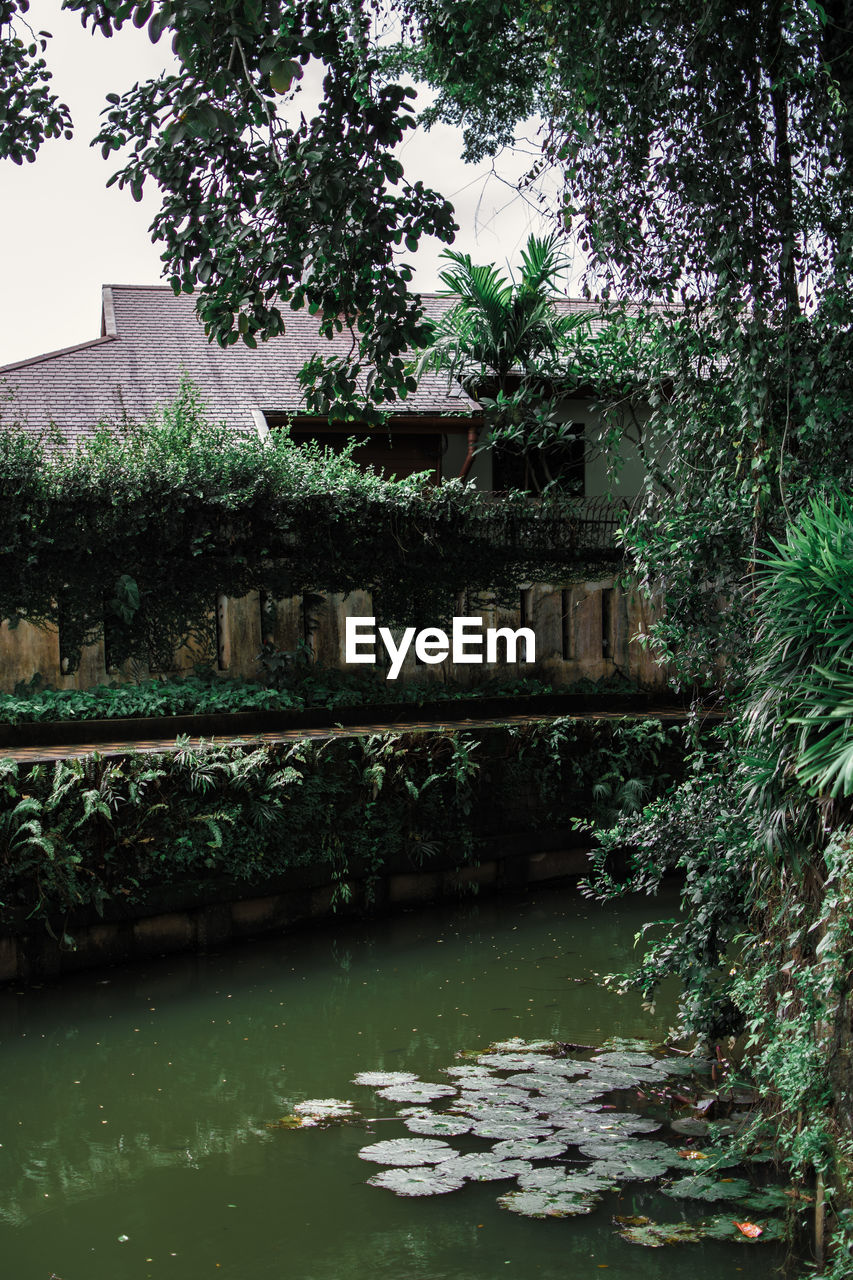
137, 532
78, 833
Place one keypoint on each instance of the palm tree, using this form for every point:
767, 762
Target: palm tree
503, 340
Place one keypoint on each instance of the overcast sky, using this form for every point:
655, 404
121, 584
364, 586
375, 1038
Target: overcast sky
63, 234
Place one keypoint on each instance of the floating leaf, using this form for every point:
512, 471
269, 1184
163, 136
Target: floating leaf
557, 1068
628, 1123
496, 1111
686, 1066
423, 1180
314, 1111
449, 1126
407, 1151
562, 1180
484, 1166
539, 1080
529, 1148
726, 1229
609, 1126
767, 1199
690, 1127
616, 1146
547, 1204
465, 1074
631, 1169
383, 1079
625, 1060
511, 1061
626, 1044
510, 1129
711, 1158
517, 1045
417, 1092
577, 1094
654, 1235
500, 1095
613, 1078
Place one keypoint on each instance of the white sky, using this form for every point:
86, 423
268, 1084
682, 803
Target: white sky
63, 234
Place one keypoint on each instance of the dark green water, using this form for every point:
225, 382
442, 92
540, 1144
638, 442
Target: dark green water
133, 1103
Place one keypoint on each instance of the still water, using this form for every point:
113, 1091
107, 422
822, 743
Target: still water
134, 1105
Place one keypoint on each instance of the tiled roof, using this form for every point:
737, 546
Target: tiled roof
151, 339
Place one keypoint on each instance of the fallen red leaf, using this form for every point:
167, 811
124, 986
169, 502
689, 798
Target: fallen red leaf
749, 1229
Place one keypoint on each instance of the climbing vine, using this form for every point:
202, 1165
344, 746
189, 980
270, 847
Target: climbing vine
138, 533
86, 832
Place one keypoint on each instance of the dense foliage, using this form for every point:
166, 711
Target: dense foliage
760, 829
139, 531
79, 832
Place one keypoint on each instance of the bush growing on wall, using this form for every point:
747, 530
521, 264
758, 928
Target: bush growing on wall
76, 833
140, 530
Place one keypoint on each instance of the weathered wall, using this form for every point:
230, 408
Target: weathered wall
587, 630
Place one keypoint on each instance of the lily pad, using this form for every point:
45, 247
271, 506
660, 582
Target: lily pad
610, 1126
559, 1068
529, 1148
686, 1066
408, 1151
627, 1122
562, 1180
501, 1095
484, 1166
767, 1199
625, 1060
613, 1078
541, 1081
444, 1124
654, 1235
517, 1045
422, 1180
464, 1075
417, 1091
510, 1129
690, 1127
548, 1204
707, 1159
727, 1229
626, 1044
480, 1109
384, 1079
511, 1061
616, 1146
315, 1111
636, 1169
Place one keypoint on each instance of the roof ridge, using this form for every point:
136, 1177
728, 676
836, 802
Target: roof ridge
60, 351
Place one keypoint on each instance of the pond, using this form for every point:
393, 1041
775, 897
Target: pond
135, 1104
